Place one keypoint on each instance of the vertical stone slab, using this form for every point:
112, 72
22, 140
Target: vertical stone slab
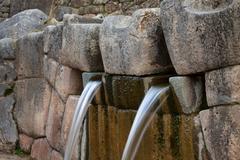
41, 150
221, 131
222, 86
29, 62
25, 143
201, 35
32, 103
8, 128
50, 70
54, 122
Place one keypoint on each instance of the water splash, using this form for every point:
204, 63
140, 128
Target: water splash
143, 118
81, 110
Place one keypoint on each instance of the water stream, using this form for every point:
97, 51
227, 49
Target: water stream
145, 114
80, 113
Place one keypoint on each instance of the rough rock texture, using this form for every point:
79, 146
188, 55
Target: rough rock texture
22, 23
68, 82
53, 40
222, 86
29, 62
81, 47
5, 89
41, 150
25, 143
221, 129
7, 49
134, 45
75, 19
67, 123
201, 35
8, 128
12, 157
20, 5
56, 156
189, 92
54, 123
8, 73
168, 136
31, 109
50, 70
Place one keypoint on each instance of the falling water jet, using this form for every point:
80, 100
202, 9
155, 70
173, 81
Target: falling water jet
80, 112
143, 118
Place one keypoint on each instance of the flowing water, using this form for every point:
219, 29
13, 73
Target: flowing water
145, 114
81, 110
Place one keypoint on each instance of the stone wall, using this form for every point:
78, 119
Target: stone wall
4, 9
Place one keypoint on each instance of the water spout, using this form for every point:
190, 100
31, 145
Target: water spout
81, 110
143, 118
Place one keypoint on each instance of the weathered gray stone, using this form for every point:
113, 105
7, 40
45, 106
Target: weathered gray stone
67, 123
53, 40
41, 150
7, 48
8, 73
134, 45
25, 143
221, 130
68, 82
189, 92
8, 128
74, 18
63, 10
201, 35
50, 70
29, 62
81, 47
4, 89
22, 23
31, 109
54, 123
223, 86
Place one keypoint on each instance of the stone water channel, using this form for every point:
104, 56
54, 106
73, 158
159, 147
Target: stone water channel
191, 46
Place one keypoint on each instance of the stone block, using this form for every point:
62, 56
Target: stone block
75, 19
167, 137
32, 104
134, 45
127, 92
54, 122
7, 48
29, 62
63, 10
8, 128
189, 93
50, 70
223, 86
67, 123
41, 150
4, 89
68, 82
201, 35
22, 23
80, 3
8, 73
25, 143
52, 38
221, 130
56, 155
81, 47
100, 1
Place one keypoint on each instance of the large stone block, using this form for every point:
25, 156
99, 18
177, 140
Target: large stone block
221, 129
168, 136
31, 109
81, 47
56, 156
75, 19
8, 128
68, 82
7, 48
50, 70
22, 23
189, 93
201, 35
54, 122
223, 86
52, 37
67, 123
29, 62
134, 45
41, 150
25, 143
